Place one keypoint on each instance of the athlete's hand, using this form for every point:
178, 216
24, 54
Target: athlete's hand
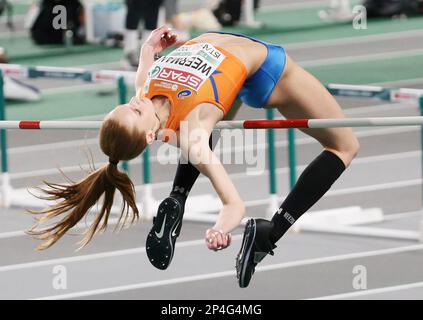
160, 39
217, 239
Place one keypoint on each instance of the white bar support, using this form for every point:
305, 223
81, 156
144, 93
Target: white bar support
148, 204
273, 205
363, 231
247, 15
6, 191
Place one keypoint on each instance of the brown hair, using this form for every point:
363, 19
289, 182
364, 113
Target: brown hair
75, 199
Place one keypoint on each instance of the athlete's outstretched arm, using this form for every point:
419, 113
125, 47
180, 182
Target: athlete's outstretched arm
230, 216
159, 39
186, 174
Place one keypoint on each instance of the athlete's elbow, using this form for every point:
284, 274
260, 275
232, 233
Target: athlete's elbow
198, 154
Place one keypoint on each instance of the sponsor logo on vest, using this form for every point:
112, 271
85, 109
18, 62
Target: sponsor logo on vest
183, 94
180, 77
166, 85
155, 71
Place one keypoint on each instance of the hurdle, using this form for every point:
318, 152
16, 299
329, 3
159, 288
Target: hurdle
318, 223
122, 78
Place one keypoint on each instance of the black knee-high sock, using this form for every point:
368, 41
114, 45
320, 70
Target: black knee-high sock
187, 174
313, 183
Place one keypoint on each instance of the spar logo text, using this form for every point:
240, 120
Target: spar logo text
180, 77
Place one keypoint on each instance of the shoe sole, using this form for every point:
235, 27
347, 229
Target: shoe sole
160, 250
244, 255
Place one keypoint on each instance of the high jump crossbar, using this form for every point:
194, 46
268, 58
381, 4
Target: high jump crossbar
246, 124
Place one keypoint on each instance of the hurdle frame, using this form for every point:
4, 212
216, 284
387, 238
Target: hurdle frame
247, 15
6, 188
380, 94
122, 78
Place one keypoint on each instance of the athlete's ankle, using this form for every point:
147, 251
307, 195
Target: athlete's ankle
181, 198
282, 221
264, 239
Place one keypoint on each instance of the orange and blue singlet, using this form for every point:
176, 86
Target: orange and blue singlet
198, 73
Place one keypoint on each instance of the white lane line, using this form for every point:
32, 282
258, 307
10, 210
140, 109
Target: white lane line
79, 226
23, 266
376, 187
406, 106
352, 190
362, 293
12, 35
142, 285
81, 87
388, 157
382, 132
191, 243
359, 58
292, 6
227, 273
53, 146
399, 83
403, 215
12, 234
102, 255
355, 40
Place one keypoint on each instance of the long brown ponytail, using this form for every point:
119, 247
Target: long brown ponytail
76, 199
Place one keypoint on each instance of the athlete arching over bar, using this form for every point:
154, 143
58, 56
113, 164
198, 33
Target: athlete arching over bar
198, 83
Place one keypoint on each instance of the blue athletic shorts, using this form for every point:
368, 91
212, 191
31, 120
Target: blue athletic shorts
258, 88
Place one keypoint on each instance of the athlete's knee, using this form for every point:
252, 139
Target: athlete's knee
353, 148
347, 150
